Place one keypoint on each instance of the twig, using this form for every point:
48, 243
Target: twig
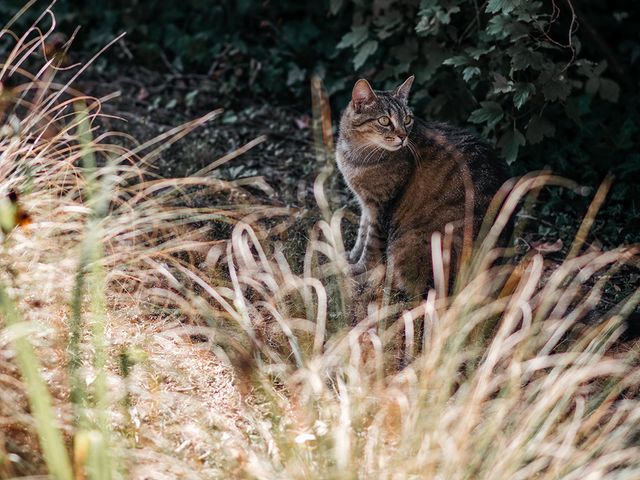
573, 27
612, 59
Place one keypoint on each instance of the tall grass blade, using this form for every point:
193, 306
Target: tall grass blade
51, 439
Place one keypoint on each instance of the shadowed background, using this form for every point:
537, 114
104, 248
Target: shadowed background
551, 84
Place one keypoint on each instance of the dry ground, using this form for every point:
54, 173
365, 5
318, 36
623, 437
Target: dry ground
192, 417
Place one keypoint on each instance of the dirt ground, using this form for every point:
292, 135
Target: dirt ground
150, 103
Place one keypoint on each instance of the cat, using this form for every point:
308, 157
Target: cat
412, 178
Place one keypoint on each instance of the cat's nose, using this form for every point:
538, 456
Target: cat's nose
402, 136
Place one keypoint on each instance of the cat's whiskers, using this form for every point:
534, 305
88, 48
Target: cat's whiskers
381, 153
374, 149
357, 151
371, 154
412, 147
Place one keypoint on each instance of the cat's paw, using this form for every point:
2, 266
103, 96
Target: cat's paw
357, 268
353, 256
360, 268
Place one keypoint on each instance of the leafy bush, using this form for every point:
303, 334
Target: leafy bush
549, 84
522, 71
513, 67
271, 47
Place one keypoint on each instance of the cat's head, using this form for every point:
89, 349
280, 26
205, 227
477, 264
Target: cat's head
380, 118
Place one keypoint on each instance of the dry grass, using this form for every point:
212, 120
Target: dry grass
168, 352
86, 274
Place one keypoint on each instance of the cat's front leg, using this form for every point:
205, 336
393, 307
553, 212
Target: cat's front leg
373, 246
356, 251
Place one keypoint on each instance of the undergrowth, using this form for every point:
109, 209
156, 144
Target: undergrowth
136, 342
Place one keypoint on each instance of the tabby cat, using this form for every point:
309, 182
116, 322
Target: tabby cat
412, 178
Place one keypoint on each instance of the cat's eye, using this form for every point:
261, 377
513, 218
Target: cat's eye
408, 119
384, 121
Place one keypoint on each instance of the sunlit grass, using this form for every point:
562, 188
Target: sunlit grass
98, 226
537, 394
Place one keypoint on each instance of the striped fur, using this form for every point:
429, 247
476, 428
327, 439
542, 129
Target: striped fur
410, 188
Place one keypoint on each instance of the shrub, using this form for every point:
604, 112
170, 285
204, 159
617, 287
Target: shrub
550, 84
536, 85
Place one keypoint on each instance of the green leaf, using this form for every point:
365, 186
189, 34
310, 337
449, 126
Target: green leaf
600, 68
435, 55
470, 72
556, 89
171, 104
390, 23
355, 37
190, 98
457, 61
295, 75
585, 68
335, 6
427, 25
366, 50
477, 52
44, 414
523, 57
510, 144
489, 112
538, 128
501, 84
523, 91
445, 15
504, 6
592, 85
432, 17
497, 26
609, 90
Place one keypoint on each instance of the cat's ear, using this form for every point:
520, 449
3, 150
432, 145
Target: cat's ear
362, 94
402, 92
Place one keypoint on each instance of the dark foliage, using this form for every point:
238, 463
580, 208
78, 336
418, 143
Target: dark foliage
551, 84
